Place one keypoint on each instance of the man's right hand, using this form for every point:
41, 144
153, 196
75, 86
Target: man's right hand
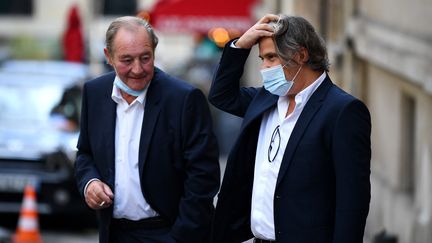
260, 29
98, 195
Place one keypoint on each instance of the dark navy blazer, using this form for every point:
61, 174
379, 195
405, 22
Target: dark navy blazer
178, 156
322, 192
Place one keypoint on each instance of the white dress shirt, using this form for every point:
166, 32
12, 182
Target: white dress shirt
266, 173
129, 201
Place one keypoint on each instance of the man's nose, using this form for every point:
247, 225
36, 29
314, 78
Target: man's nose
265, 64
136, 67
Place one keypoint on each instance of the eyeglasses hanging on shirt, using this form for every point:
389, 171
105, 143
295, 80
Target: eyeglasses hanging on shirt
274, 145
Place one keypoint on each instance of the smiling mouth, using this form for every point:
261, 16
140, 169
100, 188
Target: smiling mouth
137, 78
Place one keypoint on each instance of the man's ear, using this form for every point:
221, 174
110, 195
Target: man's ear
303, 55
107, 56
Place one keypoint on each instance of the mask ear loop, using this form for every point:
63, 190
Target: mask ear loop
298, 71
286, 64
292, 60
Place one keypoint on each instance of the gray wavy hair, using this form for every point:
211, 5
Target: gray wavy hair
131, 23
293, 33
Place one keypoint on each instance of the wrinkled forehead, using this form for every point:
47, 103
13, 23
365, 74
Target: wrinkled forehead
135, 34
128, 41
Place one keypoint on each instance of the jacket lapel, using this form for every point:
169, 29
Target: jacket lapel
151, 113
108, 118
302, 123
262, 104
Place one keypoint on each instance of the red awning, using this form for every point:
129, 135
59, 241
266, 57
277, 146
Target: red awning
201, 15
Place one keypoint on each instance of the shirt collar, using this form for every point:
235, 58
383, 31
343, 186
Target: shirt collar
302, 97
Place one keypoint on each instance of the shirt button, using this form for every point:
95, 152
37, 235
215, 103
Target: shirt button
278, 197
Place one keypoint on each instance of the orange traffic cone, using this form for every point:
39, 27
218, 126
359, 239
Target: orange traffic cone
28, 225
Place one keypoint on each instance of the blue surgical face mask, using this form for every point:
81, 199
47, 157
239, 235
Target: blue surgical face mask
121, 85
275, 81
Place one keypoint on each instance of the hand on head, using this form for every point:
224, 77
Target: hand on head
98, 195
254, 33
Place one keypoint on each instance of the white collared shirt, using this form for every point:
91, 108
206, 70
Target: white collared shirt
266, 173
129, 201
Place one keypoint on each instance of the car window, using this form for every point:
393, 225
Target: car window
37, 94
68, 108
27, 105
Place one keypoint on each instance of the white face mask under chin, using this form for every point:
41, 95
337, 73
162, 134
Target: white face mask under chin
275, 82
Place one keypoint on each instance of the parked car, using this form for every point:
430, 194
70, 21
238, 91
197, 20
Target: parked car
39, 118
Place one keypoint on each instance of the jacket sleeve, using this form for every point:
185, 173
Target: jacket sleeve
85, 169
352, 154
225, 92
202, 172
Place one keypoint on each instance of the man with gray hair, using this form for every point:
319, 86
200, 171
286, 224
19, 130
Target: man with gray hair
300, 169
147, 158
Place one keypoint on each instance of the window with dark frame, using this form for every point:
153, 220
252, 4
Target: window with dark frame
119, 7
16, 7
408, 145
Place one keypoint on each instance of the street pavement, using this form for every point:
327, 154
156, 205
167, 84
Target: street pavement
70, 237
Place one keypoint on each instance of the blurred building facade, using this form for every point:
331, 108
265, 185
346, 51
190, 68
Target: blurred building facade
33, 29
381, 52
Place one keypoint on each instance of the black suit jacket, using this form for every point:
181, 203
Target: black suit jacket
322, 192
178, 157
